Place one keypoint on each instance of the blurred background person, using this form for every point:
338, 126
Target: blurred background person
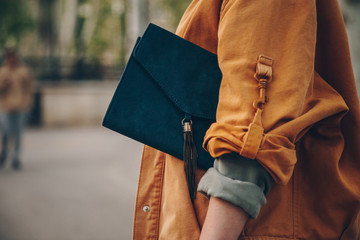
16, 97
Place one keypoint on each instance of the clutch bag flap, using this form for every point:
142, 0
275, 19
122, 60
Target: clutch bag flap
166, 79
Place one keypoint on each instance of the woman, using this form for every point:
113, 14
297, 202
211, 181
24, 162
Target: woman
16, 93
288, 102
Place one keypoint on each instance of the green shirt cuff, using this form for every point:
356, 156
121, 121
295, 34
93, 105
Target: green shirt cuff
237, 167
238, 180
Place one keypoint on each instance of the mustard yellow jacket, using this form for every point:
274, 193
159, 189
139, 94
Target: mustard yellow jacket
306, 135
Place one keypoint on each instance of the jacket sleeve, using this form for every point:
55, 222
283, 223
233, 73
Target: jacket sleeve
285, 32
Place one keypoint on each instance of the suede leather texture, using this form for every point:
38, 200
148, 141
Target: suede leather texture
166, 79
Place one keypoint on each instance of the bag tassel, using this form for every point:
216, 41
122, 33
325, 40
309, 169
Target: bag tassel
190, 158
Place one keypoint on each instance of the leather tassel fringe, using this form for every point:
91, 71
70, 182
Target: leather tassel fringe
190, 158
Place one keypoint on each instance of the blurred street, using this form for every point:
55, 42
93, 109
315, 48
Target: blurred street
76, 184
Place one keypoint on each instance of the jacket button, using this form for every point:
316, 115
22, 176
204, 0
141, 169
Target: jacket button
146, 208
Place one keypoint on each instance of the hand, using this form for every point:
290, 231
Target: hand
224, 221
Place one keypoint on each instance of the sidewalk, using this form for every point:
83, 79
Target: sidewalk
76, 184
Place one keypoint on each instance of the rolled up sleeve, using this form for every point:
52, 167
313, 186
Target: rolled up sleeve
285, 31
238, 180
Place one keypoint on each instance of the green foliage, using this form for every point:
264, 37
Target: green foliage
98, 42
78, 39
354, 1
108, 27
177, 8
15, 20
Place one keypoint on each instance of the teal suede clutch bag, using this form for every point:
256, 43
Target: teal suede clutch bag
167, 97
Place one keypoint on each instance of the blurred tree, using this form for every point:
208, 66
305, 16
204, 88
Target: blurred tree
78, 36
99, 37
47, 36
176, 7
66, 22
107, 28
123, 33
137, 18
79, 27
143, 14
99, 41
90, 15
47, 30
351, 12
15, 21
